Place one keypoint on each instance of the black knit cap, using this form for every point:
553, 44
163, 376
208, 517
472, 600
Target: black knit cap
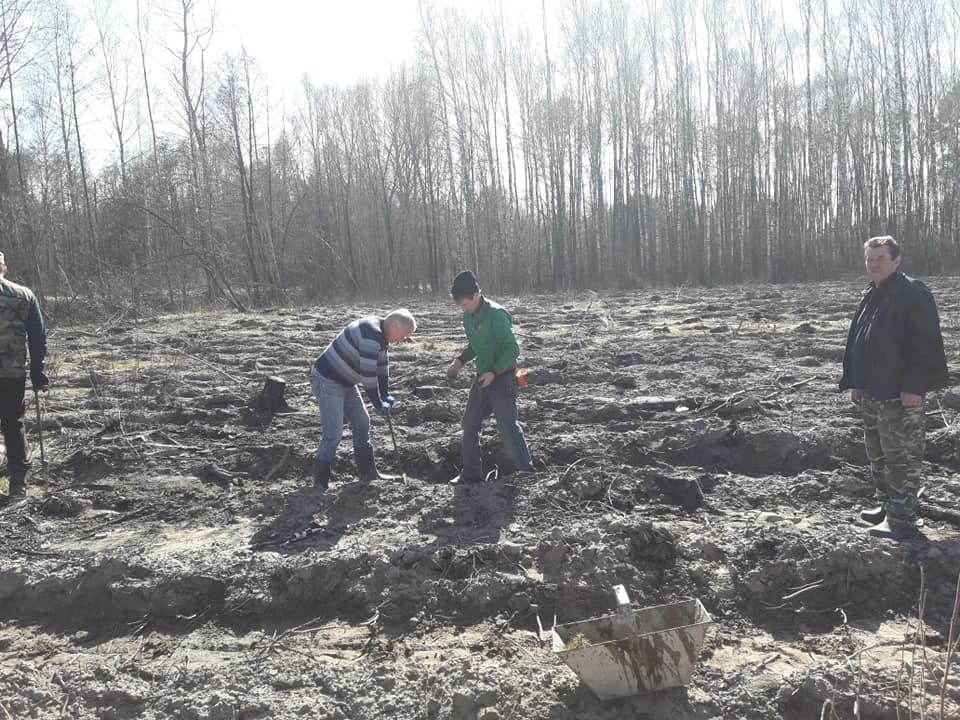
464, 285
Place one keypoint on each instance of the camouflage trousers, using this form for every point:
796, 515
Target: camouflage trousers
894, 437
12, 408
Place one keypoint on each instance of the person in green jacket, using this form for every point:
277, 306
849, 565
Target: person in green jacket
491, 343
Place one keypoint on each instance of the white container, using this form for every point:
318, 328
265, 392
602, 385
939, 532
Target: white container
635, 651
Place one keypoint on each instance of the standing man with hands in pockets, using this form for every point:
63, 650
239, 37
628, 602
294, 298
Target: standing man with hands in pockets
491, 342
894, 357
21, 328
357, 356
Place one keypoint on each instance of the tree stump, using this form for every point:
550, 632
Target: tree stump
270, 400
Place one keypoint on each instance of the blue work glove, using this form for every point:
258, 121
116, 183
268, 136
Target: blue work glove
386, 404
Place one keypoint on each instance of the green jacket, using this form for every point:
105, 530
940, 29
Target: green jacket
490, 339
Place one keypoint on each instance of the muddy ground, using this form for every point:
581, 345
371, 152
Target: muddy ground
173, 561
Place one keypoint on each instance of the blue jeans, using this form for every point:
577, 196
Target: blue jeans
499, 398
337, 402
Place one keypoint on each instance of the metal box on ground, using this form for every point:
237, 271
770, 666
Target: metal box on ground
635, 651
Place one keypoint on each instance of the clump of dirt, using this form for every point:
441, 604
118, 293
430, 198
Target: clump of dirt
173, 559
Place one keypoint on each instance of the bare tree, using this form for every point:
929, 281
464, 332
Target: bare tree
15, 35
116, 54
607, 144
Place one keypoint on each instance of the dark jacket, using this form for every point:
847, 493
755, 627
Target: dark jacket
903, 347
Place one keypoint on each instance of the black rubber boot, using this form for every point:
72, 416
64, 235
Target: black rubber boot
462, 479
874, 515
18, 488
894, 532
321, 474
366, 464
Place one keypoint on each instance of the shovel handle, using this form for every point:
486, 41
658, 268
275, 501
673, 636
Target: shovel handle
393, 435
43, 454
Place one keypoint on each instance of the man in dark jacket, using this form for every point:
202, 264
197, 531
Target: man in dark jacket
357, 356
492, 344
894, 356
21, 328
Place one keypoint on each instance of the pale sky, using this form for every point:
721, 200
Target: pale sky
335, 41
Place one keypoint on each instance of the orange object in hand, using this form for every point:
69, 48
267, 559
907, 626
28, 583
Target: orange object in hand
521, 378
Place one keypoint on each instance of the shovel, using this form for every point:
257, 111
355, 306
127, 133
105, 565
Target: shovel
43, 455
396, 451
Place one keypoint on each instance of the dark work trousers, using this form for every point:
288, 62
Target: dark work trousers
12, 407
499, 398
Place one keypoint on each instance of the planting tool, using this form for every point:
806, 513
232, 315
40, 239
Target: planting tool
393, 435
43, 455
396, 451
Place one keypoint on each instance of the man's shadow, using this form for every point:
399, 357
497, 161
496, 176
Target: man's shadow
477, 513
311, 518
296, 527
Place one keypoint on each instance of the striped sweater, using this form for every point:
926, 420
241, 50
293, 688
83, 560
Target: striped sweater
358, 356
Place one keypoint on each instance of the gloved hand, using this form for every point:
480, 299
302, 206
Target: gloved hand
454, 369
386, 404
39, 380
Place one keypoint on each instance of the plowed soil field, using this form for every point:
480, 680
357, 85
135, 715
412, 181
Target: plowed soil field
173, 560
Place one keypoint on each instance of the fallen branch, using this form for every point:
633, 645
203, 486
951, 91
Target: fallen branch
571, 466
116, 521
766, 661
788, 388
298, 629
167, 347
11, 504
217, 474
804, 589
35, 553
282, 542
936, 512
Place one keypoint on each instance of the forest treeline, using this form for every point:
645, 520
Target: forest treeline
610, 144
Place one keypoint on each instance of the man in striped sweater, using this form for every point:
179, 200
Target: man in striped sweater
357, 356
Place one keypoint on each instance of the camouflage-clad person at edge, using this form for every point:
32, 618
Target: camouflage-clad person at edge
21, 327
894, 356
